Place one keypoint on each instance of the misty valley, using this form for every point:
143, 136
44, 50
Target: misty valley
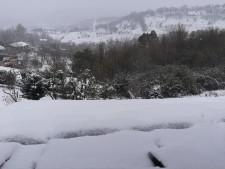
142, 90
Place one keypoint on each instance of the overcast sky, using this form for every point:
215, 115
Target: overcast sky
64, 12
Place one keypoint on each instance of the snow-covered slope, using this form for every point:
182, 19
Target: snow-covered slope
162, 20
185, 133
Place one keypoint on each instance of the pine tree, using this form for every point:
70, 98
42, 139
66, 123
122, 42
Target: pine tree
33, 87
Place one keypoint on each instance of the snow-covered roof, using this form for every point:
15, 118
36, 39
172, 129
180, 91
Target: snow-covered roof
19, 44
2, 47
44, 40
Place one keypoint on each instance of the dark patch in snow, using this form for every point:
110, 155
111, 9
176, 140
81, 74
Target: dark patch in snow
24, 140
93, 132
155, 161
177, 126
3, 163
82, 133
223, 120
34, 165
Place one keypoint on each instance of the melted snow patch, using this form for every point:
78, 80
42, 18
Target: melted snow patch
177, 126
83, 133
23, 140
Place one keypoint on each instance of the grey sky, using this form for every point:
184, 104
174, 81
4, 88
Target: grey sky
64, 12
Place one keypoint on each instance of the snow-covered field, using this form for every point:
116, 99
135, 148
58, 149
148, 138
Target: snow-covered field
187, 133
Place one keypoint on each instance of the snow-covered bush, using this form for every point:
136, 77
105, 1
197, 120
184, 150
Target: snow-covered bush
108, 92
208, 83
87, 85
33, 86
7, 78
178, 81
121, 85
65, 86
151, 92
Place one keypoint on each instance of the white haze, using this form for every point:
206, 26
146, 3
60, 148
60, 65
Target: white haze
66, 12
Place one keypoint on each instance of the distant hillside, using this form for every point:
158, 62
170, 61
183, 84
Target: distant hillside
162, 20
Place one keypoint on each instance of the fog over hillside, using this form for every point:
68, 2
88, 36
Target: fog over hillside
67, 12
162, 20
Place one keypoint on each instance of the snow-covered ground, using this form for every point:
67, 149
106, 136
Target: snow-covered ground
185, 133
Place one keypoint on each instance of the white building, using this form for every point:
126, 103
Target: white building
2, 48
19, 45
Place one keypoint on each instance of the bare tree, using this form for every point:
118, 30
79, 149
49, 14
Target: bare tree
12, 95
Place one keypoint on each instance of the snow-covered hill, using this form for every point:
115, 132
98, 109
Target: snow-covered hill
162, 20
